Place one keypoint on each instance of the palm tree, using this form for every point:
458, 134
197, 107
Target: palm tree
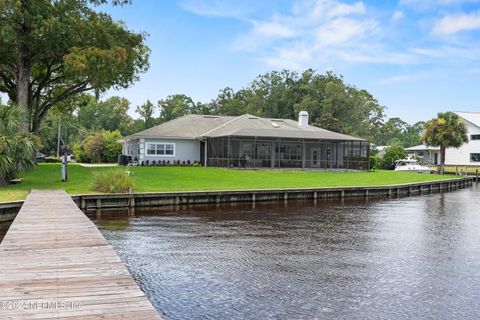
446, 131
17, 151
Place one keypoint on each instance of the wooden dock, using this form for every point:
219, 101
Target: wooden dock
55, 264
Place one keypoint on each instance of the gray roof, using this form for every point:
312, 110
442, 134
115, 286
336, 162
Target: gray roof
253, 126
423, 147
190, 126
197, 126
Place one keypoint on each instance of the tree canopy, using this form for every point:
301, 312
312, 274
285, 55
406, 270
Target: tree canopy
53, 50
330, 102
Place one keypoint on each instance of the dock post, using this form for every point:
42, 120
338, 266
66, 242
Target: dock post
99, 203
132, 201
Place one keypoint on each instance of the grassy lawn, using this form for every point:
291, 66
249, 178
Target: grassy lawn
152, 179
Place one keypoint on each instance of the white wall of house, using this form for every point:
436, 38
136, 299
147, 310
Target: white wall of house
130, 148
165, 149
462, 156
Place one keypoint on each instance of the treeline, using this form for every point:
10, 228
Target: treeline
331, 103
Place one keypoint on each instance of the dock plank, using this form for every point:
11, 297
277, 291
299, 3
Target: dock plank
56, 264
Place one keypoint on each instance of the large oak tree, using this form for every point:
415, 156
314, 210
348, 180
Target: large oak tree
51, 50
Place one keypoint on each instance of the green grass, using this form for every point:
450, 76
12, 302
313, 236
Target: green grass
153, 179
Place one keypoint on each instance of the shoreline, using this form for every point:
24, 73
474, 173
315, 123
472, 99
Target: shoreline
8, 210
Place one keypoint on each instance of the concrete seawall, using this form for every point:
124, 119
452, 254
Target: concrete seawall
8, 210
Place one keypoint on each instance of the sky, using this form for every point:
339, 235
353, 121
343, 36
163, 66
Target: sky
417, 57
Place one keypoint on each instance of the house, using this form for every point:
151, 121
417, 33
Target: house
379, 149
427, 155
468, 153
247, 141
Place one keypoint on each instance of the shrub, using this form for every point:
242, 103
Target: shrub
80, 153
17, 150
92, 146
373, 162
101, 146
391, 155
110, 147
112, 181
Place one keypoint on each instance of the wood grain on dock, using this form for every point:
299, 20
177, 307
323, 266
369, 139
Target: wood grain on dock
55, 264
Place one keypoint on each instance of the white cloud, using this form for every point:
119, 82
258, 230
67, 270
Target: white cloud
343, 30
394, 80
397, 15
451, 24
272, 29
214, 8
320, 33
312, 34
433, 4
342, 9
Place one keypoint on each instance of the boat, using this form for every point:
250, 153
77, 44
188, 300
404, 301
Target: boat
411, 164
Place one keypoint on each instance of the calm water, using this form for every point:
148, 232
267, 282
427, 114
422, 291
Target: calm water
415, 257
404, 258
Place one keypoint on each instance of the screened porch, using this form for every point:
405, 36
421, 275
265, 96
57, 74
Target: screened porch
248, 152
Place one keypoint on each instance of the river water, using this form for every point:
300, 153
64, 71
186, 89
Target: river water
416, 257
406, 258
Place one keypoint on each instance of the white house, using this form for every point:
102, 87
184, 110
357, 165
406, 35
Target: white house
469, 153
425, 154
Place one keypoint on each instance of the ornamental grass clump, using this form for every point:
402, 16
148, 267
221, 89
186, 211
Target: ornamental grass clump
112, 181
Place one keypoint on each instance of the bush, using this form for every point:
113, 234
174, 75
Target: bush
373, 163
112, 181
101, 146
391, 155
80, 153
110, 147
17, 150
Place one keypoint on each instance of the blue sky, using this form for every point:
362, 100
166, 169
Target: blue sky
417, 57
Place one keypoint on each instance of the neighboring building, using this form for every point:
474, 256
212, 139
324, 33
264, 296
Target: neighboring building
468, 153
247, 141
380, 150
427, 155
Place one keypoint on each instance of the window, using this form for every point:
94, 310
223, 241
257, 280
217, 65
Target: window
151, 149
475, 137
474, 157
161, 149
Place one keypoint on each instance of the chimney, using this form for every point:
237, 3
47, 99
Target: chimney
303, 119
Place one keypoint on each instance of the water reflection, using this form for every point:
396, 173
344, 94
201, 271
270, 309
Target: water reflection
402, 258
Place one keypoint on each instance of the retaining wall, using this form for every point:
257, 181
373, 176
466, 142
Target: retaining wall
101, 201
8, 210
